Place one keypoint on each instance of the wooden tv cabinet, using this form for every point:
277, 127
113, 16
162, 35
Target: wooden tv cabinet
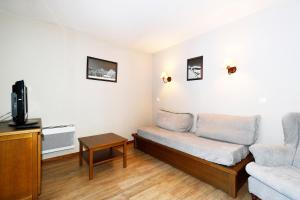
20, 162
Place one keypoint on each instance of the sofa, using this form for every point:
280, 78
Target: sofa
216, 152
275, 174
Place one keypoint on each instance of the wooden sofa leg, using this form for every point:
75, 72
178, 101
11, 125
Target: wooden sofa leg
255, 197
134, 140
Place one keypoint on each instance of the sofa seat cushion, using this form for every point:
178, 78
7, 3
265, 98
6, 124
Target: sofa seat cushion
229, 128
211, 150
284, 179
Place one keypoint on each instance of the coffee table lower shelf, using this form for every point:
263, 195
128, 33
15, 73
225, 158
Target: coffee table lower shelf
102, 156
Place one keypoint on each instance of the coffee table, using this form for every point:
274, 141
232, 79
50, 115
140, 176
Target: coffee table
100, 149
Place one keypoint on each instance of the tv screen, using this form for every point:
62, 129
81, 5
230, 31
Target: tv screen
19, 104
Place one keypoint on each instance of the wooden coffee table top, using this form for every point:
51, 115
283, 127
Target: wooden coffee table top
102, 141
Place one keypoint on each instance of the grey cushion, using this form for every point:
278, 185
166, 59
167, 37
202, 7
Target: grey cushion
284, 179
214, 151
290, 124
296, 162
263, 191
234, 129
272, 155
181, 122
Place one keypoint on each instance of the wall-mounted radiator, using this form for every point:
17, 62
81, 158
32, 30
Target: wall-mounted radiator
58, 138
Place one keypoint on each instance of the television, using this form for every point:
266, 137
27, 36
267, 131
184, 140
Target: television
19, 103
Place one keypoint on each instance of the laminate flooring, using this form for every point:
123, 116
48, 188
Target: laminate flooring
144, 178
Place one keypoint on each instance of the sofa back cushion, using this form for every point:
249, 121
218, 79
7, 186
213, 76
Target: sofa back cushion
179, 122
234, 129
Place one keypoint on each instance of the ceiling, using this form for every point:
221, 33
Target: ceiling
144, 25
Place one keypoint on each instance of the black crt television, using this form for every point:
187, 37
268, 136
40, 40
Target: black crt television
19, 103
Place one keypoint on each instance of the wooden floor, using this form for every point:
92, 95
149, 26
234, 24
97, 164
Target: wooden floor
144, 178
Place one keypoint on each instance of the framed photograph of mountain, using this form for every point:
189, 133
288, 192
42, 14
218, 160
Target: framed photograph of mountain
102, 70
195, 68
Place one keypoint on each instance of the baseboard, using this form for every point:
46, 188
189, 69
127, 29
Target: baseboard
59, 158
70, 155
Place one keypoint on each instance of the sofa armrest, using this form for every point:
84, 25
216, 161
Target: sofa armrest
272, 155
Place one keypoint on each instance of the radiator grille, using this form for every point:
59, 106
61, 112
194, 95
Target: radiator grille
58, 139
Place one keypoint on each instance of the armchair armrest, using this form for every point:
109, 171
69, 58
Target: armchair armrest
272, 155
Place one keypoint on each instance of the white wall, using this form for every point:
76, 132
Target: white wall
52, 61
266, 50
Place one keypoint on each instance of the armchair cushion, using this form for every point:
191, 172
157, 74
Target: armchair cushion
290, 124
272, 155
263, 191
296, 162
284, 179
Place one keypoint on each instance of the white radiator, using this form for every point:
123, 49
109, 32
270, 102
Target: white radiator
58, 138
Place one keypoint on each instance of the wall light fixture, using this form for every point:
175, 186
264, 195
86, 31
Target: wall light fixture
165, 77
231, 69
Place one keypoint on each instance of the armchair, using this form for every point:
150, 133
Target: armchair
275, 174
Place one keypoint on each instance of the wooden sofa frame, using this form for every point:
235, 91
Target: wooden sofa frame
254, 197
228, 179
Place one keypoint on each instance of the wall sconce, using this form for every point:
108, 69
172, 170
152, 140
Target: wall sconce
231, 69
165, 77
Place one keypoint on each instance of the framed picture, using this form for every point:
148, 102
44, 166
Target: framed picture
195, 68
102, 70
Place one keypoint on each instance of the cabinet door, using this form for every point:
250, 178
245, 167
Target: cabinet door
16, 167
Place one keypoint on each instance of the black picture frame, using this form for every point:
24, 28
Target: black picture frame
194, 70
101, 70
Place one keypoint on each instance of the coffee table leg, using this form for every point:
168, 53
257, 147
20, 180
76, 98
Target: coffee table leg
91, 165
125, 155
80, 153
